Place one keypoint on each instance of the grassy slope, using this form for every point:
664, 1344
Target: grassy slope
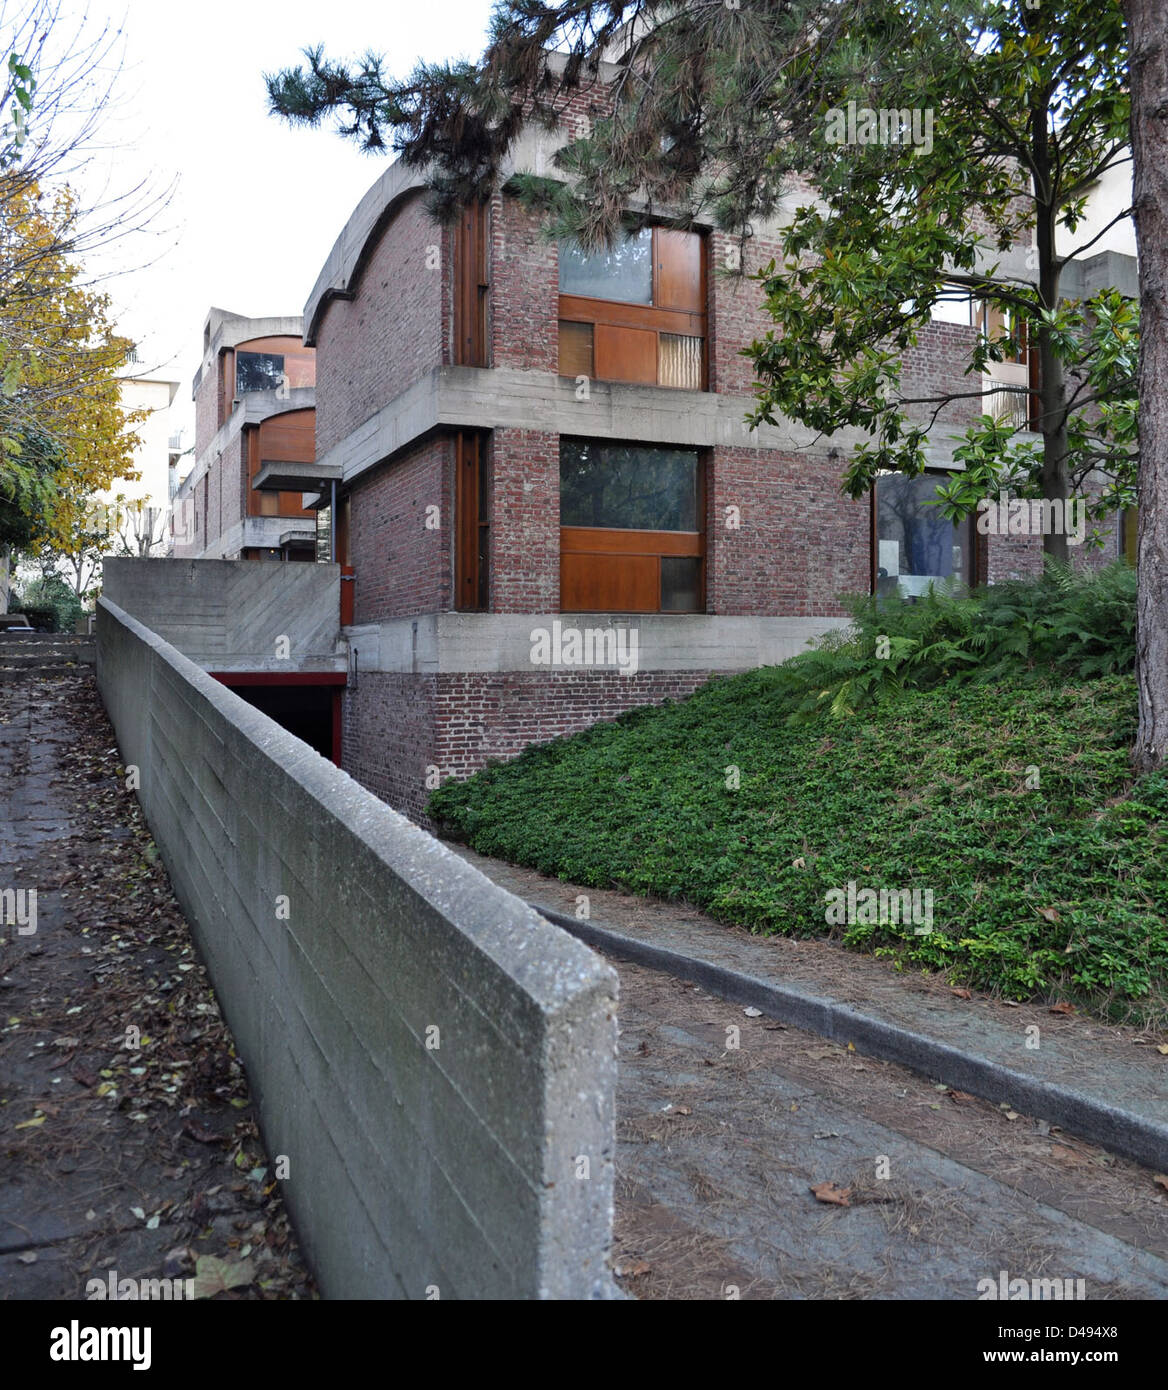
1057, 890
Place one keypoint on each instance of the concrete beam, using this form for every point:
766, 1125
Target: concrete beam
447, 643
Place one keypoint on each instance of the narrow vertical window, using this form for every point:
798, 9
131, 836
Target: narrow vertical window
472, 523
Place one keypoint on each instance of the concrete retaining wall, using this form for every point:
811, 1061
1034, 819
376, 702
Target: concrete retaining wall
459, 1166
227, 615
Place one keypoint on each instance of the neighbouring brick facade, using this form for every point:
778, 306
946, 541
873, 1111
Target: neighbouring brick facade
525, 516
402, 562
799, 544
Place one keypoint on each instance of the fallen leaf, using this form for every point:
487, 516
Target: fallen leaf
138, 1212
962, 993
196, 1132
632, 1269
752, 1012
961, 1097
1161, 1181
214, 1276
1009, 1003
1063, 1008
27, 1257
1050, 913
1163, 1049
1011, 1114
31, 1124
832, 1195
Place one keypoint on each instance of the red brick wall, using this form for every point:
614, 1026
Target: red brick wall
398, 726
207, 407
935, 366
402, 567
799, 545
524, 294
371, 348
736, 313
389, 736
525, 521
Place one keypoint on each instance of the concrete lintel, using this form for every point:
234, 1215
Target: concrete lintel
292, 476
451, 643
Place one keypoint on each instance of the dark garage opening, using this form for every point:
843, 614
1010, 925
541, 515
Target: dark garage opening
311, 711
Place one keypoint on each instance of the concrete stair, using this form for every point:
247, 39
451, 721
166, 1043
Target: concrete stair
25, 654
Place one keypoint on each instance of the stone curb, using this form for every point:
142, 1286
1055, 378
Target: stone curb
1120, 1131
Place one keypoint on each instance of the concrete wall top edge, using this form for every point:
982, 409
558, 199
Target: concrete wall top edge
552, 967
349, 251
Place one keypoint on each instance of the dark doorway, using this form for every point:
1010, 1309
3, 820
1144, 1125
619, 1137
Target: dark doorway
308, 708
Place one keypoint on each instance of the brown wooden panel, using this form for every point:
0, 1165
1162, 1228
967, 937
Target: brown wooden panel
470, 524
286, 438
576, 349
626, 354
610, 583
611, 541
470, 287
289, 437
581, 310
677, 267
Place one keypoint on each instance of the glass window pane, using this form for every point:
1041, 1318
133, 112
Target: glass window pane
258, 371
915, 543
628, 486
681, 578
624, 273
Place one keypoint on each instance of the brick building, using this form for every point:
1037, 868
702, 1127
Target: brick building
255, 415
538, 476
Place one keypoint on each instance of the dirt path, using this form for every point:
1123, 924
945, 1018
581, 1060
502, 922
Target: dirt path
127, 1140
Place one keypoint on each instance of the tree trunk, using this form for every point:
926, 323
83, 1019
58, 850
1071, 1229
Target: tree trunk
5, 561
1056, 481
1148, 24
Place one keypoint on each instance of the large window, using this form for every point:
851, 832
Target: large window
631, 537
915, 544
635, 312
625, 272
258, 371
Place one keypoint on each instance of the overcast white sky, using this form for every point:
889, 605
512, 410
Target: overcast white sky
257, 204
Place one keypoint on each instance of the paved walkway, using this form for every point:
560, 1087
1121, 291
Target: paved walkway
138, 1161
719, 1146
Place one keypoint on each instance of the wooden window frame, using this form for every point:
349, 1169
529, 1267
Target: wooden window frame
471, 286
599, 541
620, 314
472, 526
